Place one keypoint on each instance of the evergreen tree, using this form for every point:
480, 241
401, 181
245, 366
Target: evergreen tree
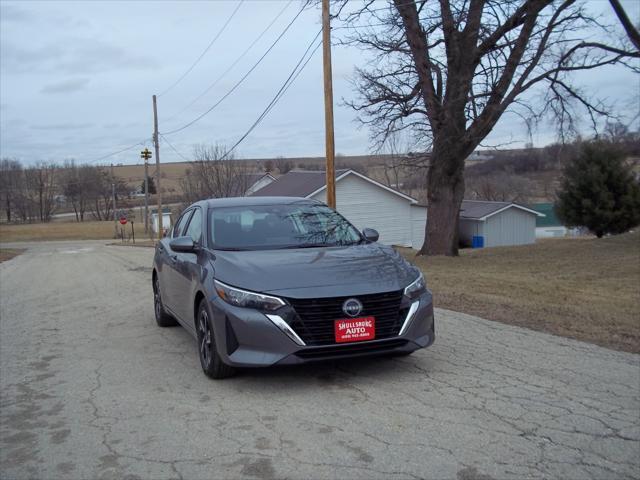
599, 191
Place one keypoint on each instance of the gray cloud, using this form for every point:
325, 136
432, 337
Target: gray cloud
11, 13
63, 126
72, 56
66, 86
130, 51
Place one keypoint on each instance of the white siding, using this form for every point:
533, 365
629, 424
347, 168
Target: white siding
550, 232
510, 227
166, 222
418, 225
469, 229
367, 205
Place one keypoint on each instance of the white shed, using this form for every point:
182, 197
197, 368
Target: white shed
166, 219
363, 201
494, 224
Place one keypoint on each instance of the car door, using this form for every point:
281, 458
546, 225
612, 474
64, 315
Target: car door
168, 275
187, 269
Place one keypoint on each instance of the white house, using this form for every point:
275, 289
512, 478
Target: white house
363, 201
495, 224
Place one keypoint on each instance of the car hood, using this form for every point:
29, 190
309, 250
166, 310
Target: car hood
318, 272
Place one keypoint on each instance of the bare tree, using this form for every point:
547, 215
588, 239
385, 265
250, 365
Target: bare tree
211, 177
79, 184
10, 183
393, 162
500, 187
446, 71
268, 166
98, 182
632, 31
283, 165
402, 169
40, 181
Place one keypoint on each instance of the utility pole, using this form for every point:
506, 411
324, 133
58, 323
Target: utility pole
328, 105
156, 143
113, 200
146, 155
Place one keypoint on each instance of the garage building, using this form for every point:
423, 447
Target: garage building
496, 224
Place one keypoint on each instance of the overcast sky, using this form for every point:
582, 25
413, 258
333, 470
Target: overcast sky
76, 80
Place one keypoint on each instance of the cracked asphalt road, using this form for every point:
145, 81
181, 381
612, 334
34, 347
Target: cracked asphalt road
91, 388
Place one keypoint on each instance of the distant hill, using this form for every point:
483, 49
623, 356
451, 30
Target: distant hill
527, 175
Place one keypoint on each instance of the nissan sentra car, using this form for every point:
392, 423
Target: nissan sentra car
262, 281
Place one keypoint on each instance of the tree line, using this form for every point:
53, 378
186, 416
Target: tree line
34, 193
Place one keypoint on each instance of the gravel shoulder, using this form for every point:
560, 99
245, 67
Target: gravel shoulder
91, 388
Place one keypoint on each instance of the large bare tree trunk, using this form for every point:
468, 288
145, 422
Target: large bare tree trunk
445, 184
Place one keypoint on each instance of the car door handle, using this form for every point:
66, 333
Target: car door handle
174, 258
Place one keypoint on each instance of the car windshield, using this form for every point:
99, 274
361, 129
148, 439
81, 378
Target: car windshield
259, 227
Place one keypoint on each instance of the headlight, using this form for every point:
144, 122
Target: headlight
243, 298
416, 288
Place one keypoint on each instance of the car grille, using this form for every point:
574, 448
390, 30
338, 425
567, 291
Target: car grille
315, 320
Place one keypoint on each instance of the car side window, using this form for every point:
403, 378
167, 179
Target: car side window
182, 221
195, 226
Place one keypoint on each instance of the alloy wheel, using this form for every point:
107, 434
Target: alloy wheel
204, 334
157, 302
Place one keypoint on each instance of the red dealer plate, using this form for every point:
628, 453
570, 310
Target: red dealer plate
355, 329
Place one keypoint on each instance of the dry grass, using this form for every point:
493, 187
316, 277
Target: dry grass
9, 253
56, 231
587, 289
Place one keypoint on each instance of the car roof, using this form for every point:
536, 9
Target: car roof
250, 201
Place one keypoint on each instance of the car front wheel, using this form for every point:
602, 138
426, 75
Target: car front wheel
212, 364
163, 319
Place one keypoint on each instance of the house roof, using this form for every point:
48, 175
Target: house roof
241, 183
305, 183
296, 183
481, 210
253, 178
550, 219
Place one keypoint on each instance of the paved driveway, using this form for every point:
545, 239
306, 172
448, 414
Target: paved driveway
91, 388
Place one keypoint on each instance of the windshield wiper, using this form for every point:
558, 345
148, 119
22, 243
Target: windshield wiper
306, 245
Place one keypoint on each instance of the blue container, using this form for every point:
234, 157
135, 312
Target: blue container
477, 241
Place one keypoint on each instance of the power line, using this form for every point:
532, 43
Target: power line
204, 51
285, 86
174, 148
239, 82
237, 60
142, 142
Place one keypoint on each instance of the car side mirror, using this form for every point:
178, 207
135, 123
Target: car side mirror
370, 235
183, 244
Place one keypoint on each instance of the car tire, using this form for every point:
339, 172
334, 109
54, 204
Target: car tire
212, 364
163, 319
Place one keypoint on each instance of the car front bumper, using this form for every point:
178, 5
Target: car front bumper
247, 338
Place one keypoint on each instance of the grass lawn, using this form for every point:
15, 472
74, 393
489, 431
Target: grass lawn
56, 231
9, 253
583, 288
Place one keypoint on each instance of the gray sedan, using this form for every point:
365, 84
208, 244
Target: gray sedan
281, 280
